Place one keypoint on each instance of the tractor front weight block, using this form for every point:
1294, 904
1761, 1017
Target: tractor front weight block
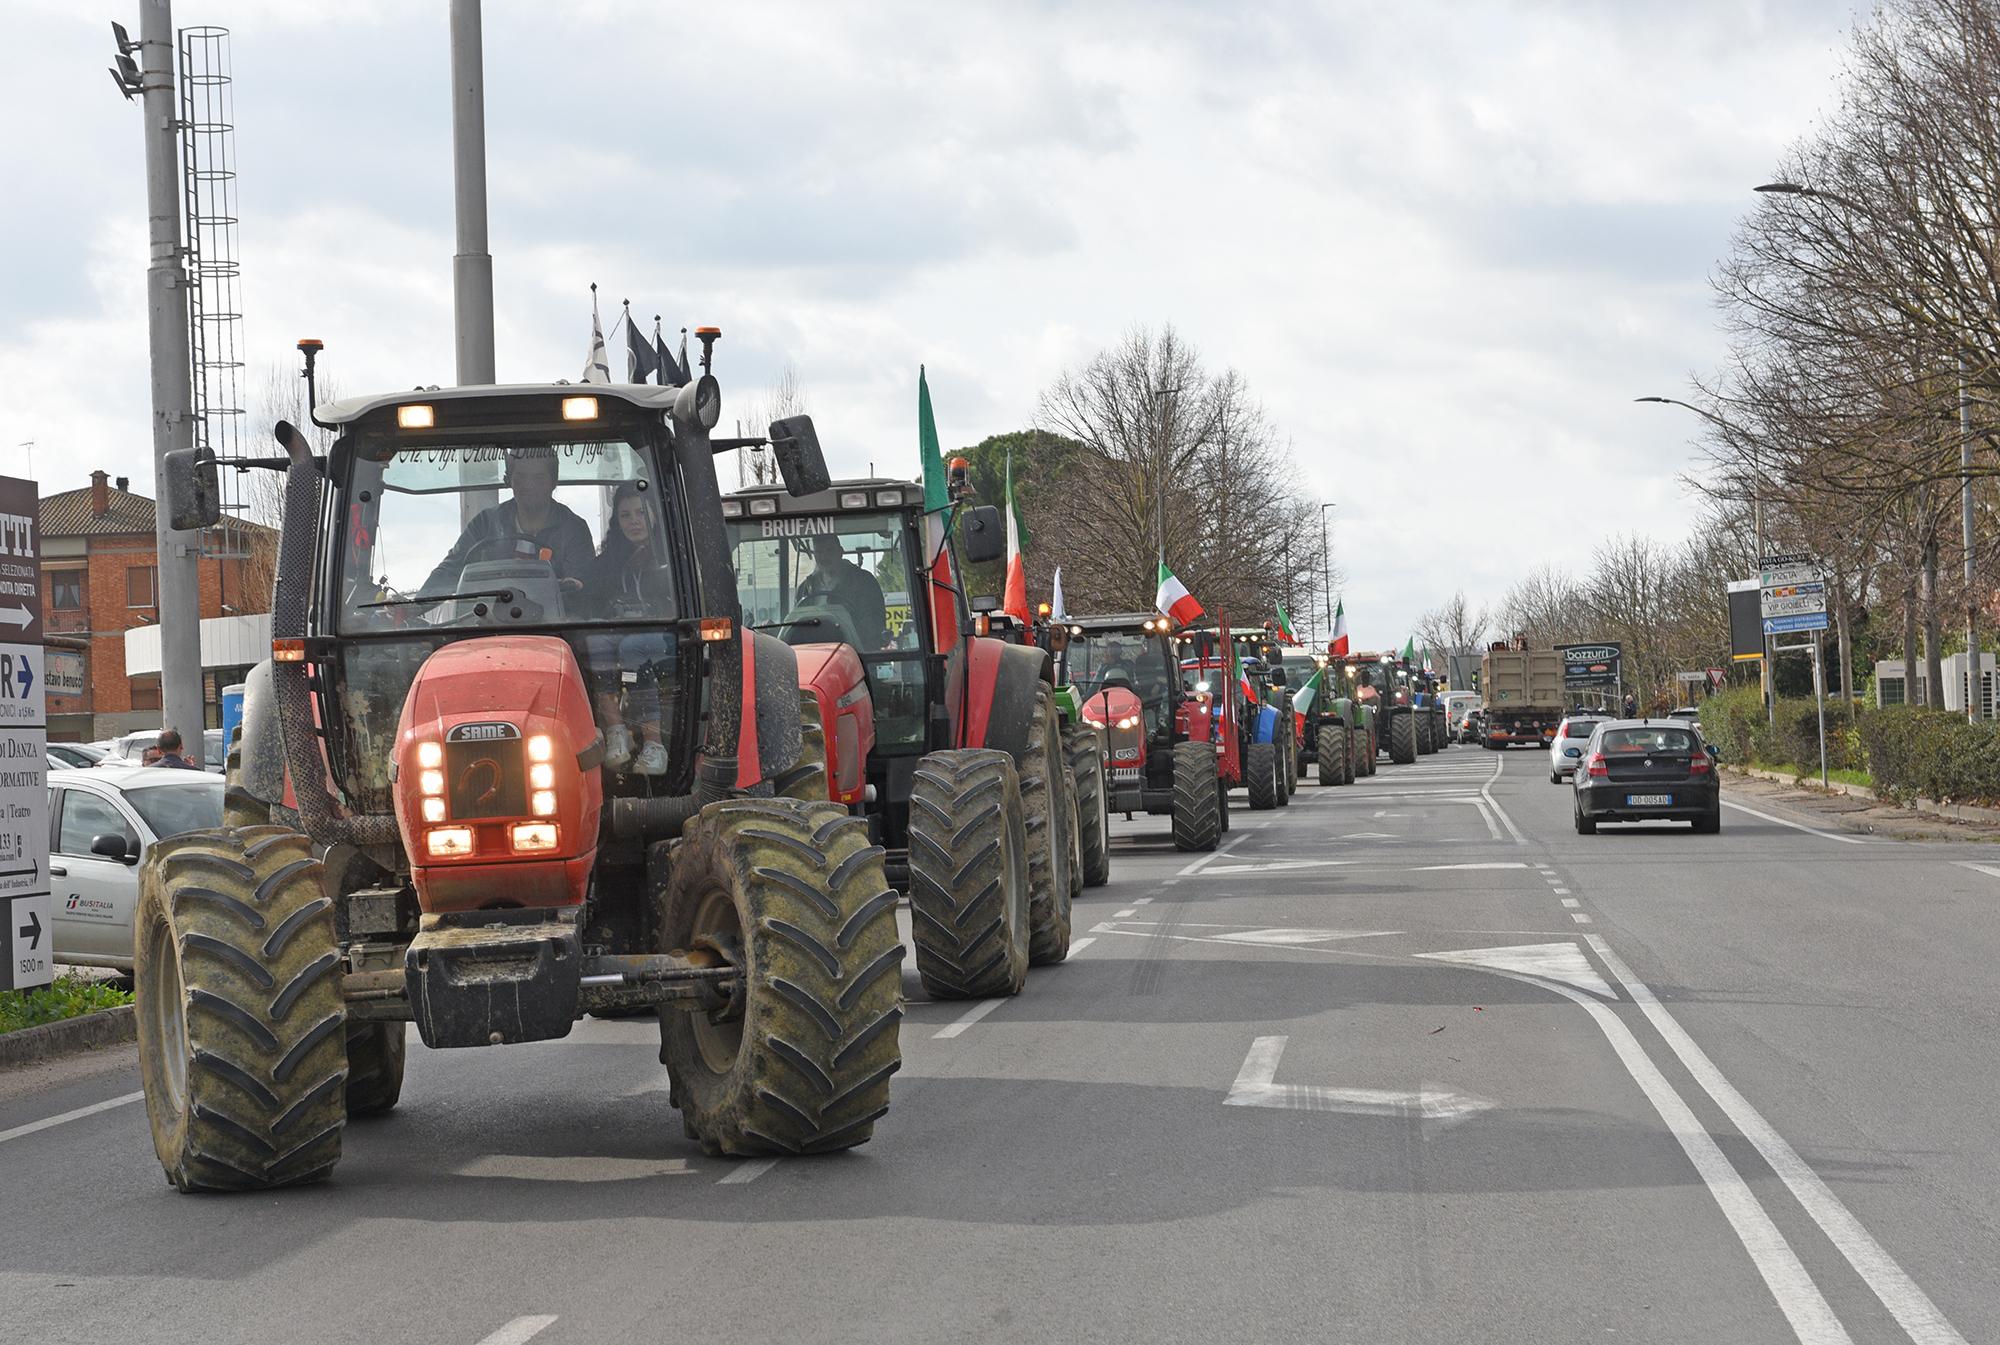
516, 976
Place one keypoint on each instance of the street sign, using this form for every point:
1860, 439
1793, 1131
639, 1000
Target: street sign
1715, 678
62, 672
1786, 625
1590, 665
1693, 677
1791, 594
26, 958
1793, 599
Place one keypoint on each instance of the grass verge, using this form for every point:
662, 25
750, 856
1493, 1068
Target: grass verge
69, 996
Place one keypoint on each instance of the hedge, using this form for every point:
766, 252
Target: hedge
1907, 752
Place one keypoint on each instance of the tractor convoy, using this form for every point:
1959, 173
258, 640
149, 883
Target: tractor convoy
497, 776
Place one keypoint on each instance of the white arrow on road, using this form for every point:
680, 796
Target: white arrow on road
1256, 1086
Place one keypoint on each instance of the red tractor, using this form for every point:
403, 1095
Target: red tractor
427, 820
943, 735
1167, 749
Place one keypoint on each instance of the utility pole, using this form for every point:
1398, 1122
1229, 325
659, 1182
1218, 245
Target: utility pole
177, 553
471, 264
1160, 449
1326, 567
1975, 678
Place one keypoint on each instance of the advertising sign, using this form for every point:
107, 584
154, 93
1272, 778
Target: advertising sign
1590, 665
26, 933
62, 672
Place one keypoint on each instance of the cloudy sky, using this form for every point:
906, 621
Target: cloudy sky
1447, 243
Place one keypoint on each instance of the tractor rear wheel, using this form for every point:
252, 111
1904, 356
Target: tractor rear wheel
1402, 739
807, 779
237, 980
797, 1059
240, 808
1081, 746
1336, 757
1199, 802
1260, 775
968, 875
1051, 822
375, 1054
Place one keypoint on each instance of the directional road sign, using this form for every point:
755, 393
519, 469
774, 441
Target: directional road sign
26, 933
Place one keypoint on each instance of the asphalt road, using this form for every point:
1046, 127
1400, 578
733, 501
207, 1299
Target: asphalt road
1406, 1061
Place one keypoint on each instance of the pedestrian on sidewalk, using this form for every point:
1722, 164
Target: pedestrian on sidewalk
170, 752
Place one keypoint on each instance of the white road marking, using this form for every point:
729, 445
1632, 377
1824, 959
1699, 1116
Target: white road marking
971, 1016
519, 1331
1560, 891
1284, 936
1571, 902
1078, 945
1989, 870
1563, 962
1127, 912
50, 1122
1911, 1307
747, 1172
1486, 816
1580, 919
1439, 868
1499, 765
1796, 826
1280, 865
1256, 1086
1205, 860
1812, 1320
1140, 901
572, 1168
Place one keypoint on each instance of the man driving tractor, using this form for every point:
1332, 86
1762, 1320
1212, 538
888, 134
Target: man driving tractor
534, 517
837, 581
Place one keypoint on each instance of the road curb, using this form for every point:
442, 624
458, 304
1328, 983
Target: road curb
1959, 812
86, 1031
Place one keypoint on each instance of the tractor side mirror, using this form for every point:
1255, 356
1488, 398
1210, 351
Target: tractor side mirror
187, 478
985, 537
795, 444
984, 602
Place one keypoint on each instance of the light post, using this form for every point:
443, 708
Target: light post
1765, 680
1160, 446
1326, 568
1972, 658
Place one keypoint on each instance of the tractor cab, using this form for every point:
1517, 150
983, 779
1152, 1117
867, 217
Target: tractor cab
1128, 687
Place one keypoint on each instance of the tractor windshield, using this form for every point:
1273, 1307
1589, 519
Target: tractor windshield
1131, 659
840, 579
546, 533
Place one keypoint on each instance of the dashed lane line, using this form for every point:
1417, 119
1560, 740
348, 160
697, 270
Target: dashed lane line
50, 1122
743, 1173
519, 1331
1580, 918
1078, 945
1796, 826
966, 1020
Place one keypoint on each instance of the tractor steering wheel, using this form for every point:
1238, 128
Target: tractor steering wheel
487, 542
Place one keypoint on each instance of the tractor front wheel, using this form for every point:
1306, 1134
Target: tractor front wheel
796, 1058
1050, 814
1260, 775
807, 779
1402, 739
375, 1053
1082, 747
1199, 802
1336, 757
968, 875
240, 1018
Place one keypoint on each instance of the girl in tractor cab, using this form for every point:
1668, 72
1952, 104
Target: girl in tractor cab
625, 581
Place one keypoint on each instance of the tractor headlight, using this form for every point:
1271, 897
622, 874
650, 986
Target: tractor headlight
533, 835
448, 841
433, 810
542, 803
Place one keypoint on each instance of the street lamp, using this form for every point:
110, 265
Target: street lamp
1160, 467
1326, 568
1974, 672
1765, 681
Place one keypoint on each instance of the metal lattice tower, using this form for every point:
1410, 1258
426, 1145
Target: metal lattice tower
215, 308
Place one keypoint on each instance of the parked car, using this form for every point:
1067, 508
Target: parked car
1640, 770
141, 748
1566, 748
80, 755
100, 825
1457, 705
1691, 713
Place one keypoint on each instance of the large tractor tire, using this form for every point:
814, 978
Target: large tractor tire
1370, 747
1286, 772
375, 1053
968, 875
1402, 739
1199, 803
1083, 748
1050, 813
241, 1023
1336, 754
798, 1059
240, 808
1260, 775
807, 780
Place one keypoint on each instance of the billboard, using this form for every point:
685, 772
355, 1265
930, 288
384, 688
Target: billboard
1591, 666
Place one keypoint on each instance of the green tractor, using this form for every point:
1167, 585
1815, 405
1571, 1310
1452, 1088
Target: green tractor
1337, 731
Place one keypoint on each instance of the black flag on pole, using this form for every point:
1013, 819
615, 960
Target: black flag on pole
640, 360
670, 373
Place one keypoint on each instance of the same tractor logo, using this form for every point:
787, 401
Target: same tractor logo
481, 733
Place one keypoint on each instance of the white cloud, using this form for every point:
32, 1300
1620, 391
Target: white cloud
1447, 244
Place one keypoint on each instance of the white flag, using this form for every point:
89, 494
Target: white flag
1057, 611
596, 368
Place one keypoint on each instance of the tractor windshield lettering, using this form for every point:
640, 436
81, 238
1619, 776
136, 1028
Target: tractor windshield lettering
485, 534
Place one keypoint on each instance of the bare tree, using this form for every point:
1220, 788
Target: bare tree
785, 397
1454, 627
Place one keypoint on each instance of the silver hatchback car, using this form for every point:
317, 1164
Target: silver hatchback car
1567, 748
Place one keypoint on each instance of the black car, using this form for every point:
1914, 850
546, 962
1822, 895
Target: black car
1639, 770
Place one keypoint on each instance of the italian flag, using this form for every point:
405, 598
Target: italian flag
1285, 631
1338, 648
937, 521
1303, 698
1236, 671
1174, 599
1015, 601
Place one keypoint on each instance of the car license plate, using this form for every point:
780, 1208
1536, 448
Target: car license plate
1648, 800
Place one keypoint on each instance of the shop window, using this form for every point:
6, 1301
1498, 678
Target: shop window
142, 586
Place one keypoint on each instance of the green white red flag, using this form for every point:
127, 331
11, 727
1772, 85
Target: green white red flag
937, 520
1285, 631
1339, 646
1015, 600
1174, 599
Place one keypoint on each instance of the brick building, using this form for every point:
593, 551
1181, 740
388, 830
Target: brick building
100, 579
